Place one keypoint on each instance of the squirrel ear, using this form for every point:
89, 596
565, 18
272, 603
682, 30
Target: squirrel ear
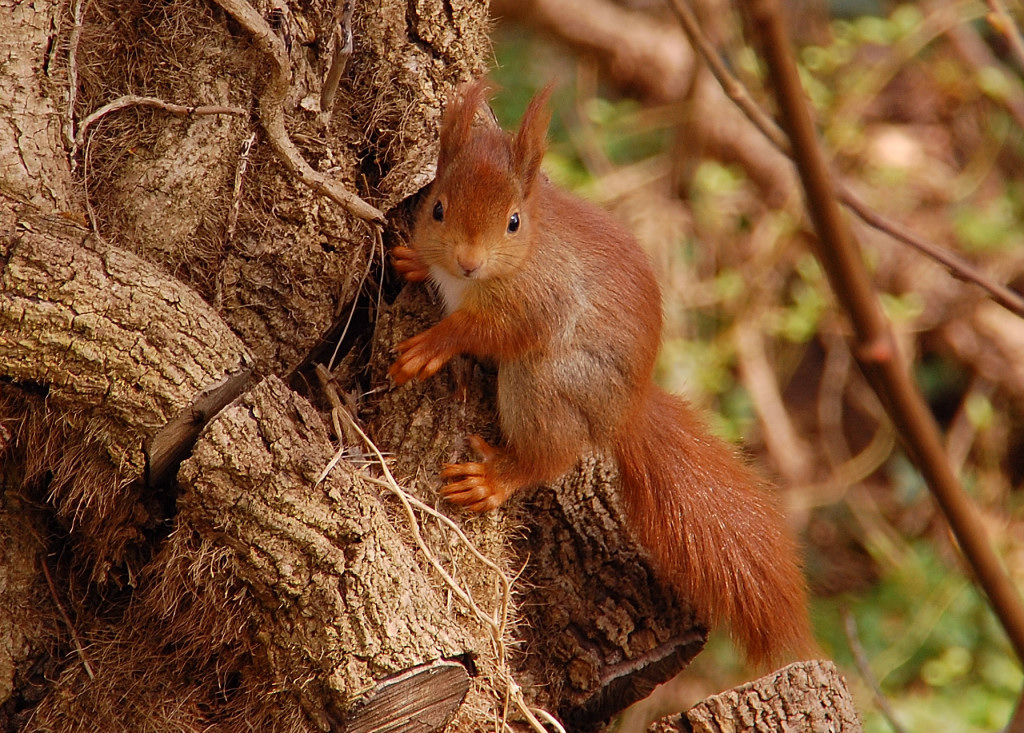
531, 141
466, 106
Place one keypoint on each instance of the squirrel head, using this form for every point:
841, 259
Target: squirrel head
478, 220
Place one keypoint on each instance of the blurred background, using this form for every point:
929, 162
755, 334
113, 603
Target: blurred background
921, 111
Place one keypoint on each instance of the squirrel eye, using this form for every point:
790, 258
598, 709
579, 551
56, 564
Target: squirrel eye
438, 212
513, 223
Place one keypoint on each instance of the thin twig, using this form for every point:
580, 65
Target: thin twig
236, 195
86, 162
496, 623
860, 658
791, 452
344, 433
733, 87
378, 240
737, 92
959, 268
132, 100
79, 649
876, 349
272, 112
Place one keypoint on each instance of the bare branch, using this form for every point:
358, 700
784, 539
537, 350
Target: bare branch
783, 439
732, 86
79, 649
1001, 294
131, 100
860, 658
738, 93
876, 350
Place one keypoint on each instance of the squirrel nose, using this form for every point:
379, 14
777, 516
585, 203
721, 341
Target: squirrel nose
468, 264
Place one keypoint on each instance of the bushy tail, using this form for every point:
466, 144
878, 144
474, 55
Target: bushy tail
712, 529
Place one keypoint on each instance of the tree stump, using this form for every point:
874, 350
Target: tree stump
806, 696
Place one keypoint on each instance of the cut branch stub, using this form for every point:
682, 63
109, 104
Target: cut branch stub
119, 348
171, 444
419, 700
805, 696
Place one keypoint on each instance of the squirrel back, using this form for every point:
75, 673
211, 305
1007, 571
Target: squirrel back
566, 302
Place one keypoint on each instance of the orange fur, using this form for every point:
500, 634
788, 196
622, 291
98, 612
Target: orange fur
565, 301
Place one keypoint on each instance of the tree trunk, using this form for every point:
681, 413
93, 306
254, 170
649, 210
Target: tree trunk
155, 268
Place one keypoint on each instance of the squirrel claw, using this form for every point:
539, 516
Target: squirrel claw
469, 486
417, 358
465, 471
475, 494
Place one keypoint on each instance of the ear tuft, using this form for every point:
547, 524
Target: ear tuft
467, 106
531, 140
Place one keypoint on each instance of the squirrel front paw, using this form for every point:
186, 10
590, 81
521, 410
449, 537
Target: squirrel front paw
408, 263
419, 357
473, 485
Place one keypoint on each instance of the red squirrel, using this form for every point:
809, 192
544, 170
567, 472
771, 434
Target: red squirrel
566, 303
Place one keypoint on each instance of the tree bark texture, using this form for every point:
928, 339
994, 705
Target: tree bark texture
287, 597
806, 696
608, 630
148, 264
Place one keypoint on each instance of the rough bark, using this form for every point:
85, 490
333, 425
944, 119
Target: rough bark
806, 696
116, 346
120, 348
30, 174
287, 598
607, 629
30, 127
107, 331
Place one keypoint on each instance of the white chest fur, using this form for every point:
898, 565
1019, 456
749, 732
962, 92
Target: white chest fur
452, 288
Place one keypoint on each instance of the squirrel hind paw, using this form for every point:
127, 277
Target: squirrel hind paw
469, 486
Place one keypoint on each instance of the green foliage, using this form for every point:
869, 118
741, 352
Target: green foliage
994, 225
